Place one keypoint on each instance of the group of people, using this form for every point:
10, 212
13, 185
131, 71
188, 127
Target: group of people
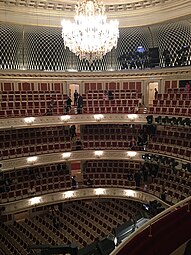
78, 103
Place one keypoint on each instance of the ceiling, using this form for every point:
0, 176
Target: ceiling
130, 13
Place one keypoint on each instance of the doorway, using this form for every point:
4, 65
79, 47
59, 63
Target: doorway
151, 91
72, 88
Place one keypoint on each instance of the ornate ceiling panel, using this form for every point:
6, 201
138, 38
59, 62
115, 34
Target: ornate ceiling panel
129, 12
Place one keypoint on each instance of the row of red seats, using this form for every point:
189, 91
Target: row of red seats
30, 112
170, 150
117, 166
111, 145
116, 95
113, 109
170, 111
8, 105
115, 102
29, 92
178, 132
31, 97
63, 183
111, 129
35, 150
172, 103
176, 90
25, 135
175, 141
173, 96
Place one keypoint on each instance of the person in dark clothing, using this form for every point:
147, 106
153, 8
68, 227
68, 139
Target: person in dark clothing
137, 178
72, 131
68, 104
156, 94
130, 177
89, 182
80, 104
49, 112
110, 95
75, 97
56, 222
51, 103
78, 144
163, 195
145, 171
74, 184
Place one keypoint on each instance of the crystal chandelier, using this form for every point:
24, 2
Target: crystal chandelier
90, 36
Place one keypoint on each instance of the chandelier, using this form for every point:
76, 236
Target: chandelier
90, 36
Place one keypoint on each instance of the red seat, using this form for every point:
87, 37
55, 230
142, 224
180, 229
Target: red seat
177, 111
170, 110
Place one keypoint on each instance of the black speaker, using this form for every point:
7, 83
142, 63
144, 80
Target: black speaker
154, 57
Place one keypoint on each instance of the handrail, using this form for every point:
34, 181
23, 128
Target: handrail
149, 223
87, 154
79, 194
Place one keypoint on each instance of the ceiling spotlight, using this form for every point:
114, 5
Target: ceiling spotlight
98, 153
29, 120
98, 117
132, 116
65, 118
32, 159
131, 154
66, 155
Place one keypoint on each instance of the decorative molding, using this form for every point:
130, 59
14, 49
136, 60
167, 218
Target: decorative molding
80, 119
83, 155
155, 73
129, 13
70, 195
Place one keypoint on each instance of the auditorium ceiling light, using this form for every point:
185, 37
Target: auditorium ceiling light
90, 36
29, 120
32, 159
131, 154
132, 116
98, 153
66, 155
65, 118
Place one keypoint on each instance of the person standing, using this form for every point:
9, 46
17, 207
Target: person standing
80, 104
68, 104
156, 94
75, 97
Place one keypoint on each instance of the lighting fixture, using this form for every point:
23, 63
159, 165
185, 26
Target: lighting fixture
90, 36
65, 118
131, 154
99, 191
66, 155
68, 194
98, 117
98, 153
29, 120
132, 116
32, 159
35, 200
